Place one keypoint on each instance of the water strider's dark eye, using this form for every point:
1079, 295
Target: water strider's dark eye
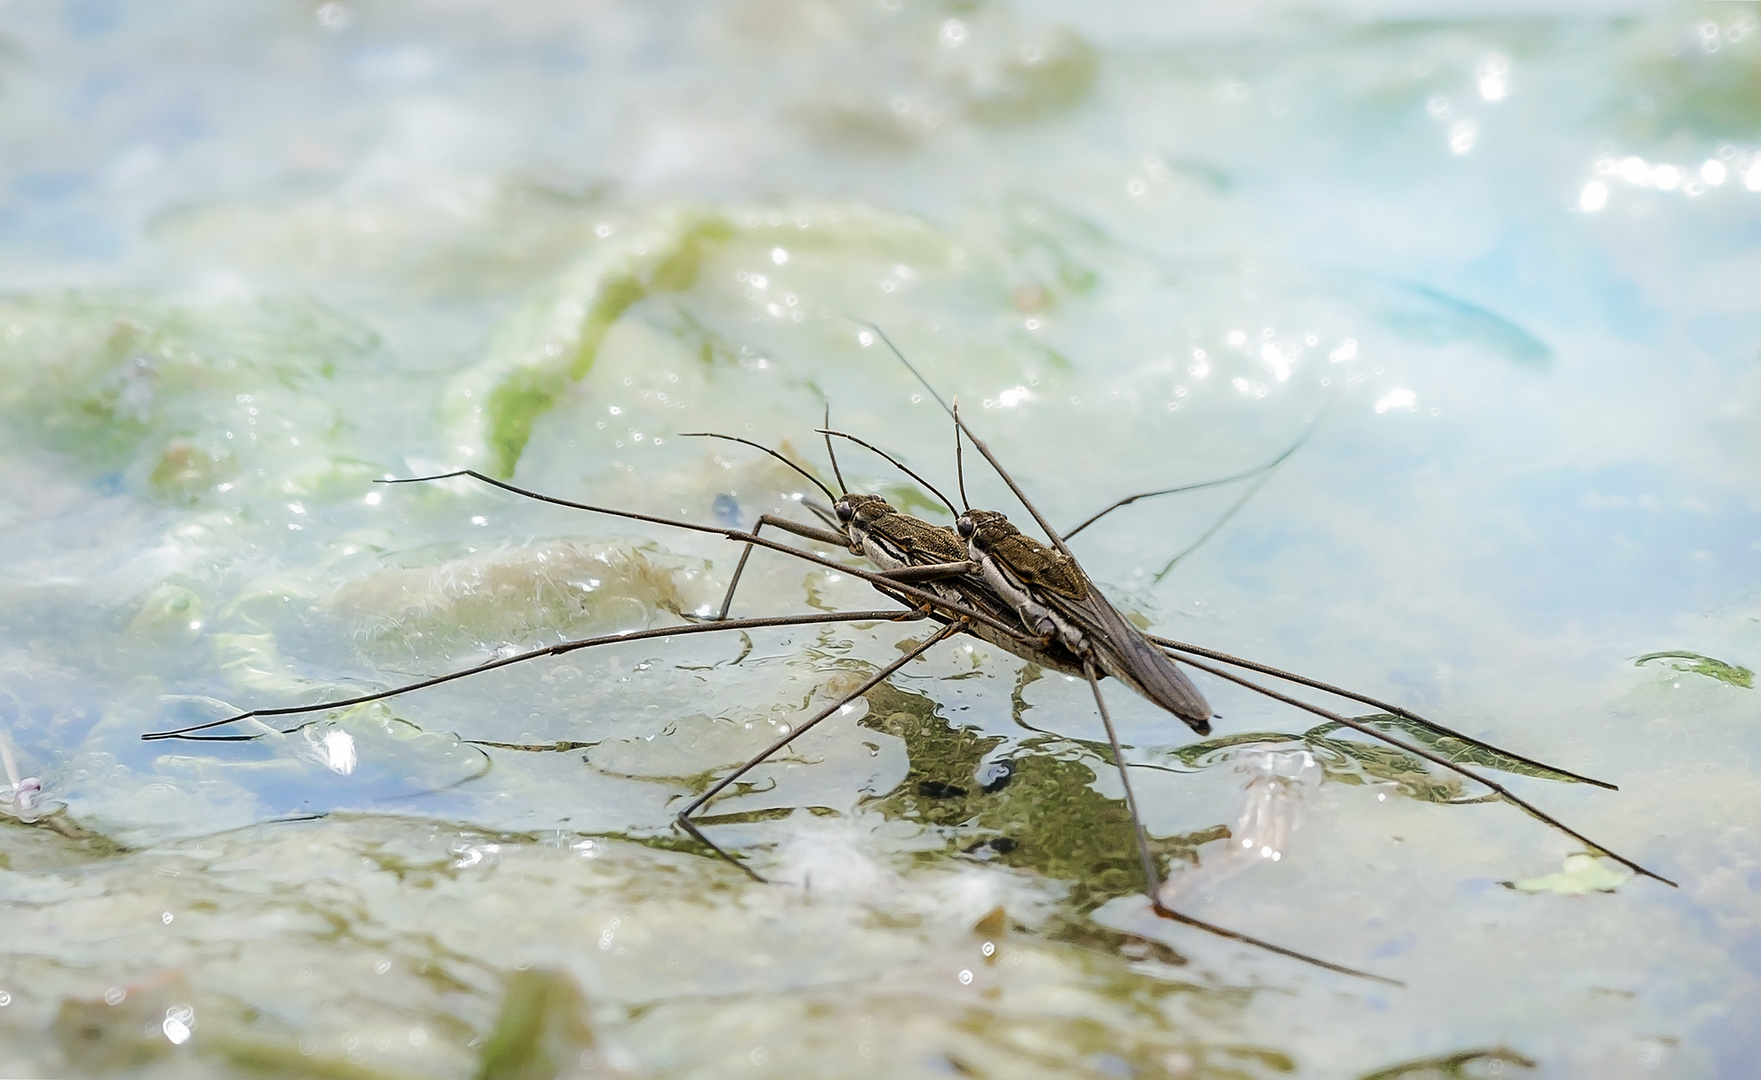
844, 510
965, 527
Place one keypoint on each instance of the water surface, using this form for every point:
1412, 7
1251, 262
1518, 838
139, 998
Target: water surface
1497, 271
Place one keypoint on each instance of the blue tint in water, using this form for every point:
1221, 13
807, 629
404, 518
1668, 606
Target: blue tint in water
91, 18
726, 509
45, 187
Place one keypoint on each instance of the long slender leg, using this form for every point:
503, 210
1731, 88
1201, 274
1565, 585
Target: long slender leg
1180, 647
906, 574
684, 816
1346, 721
551, 650
1153, 878
1263, 471
825, 536
1052, 534
1045, 526
1216, 527
835, 537
1264, 474
1246, 474
1167, 912
897, 588
1435, 758
537, 496
931, 571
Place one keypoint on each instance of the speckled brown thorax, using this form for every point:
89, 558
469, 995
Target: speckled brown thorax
1037, 565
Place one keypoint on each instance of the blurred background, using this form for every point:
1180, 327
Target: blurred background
1492, 270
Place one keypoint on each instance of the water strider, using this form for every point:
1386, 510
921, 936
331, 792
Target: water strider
992, 619
911, 551
1057, 599
981, 577
904, 548
900, 543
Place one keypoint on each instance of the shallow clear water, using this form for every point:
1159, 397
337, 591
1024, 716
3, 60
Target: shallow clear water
1500, 271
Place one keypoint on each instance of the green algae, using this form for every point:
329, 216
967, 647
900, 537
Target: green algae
1046, 816
542, 1032
52, 840
552, 343
1702, 80
1690, 663
1357, 760
1466, 1065
117, 380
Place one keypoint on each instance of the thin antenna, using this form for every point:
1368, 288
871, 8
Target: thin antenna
882, 334
978, 443
766, 449
897, 464
959, 454
1216, 527
843, 487
1020, 496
